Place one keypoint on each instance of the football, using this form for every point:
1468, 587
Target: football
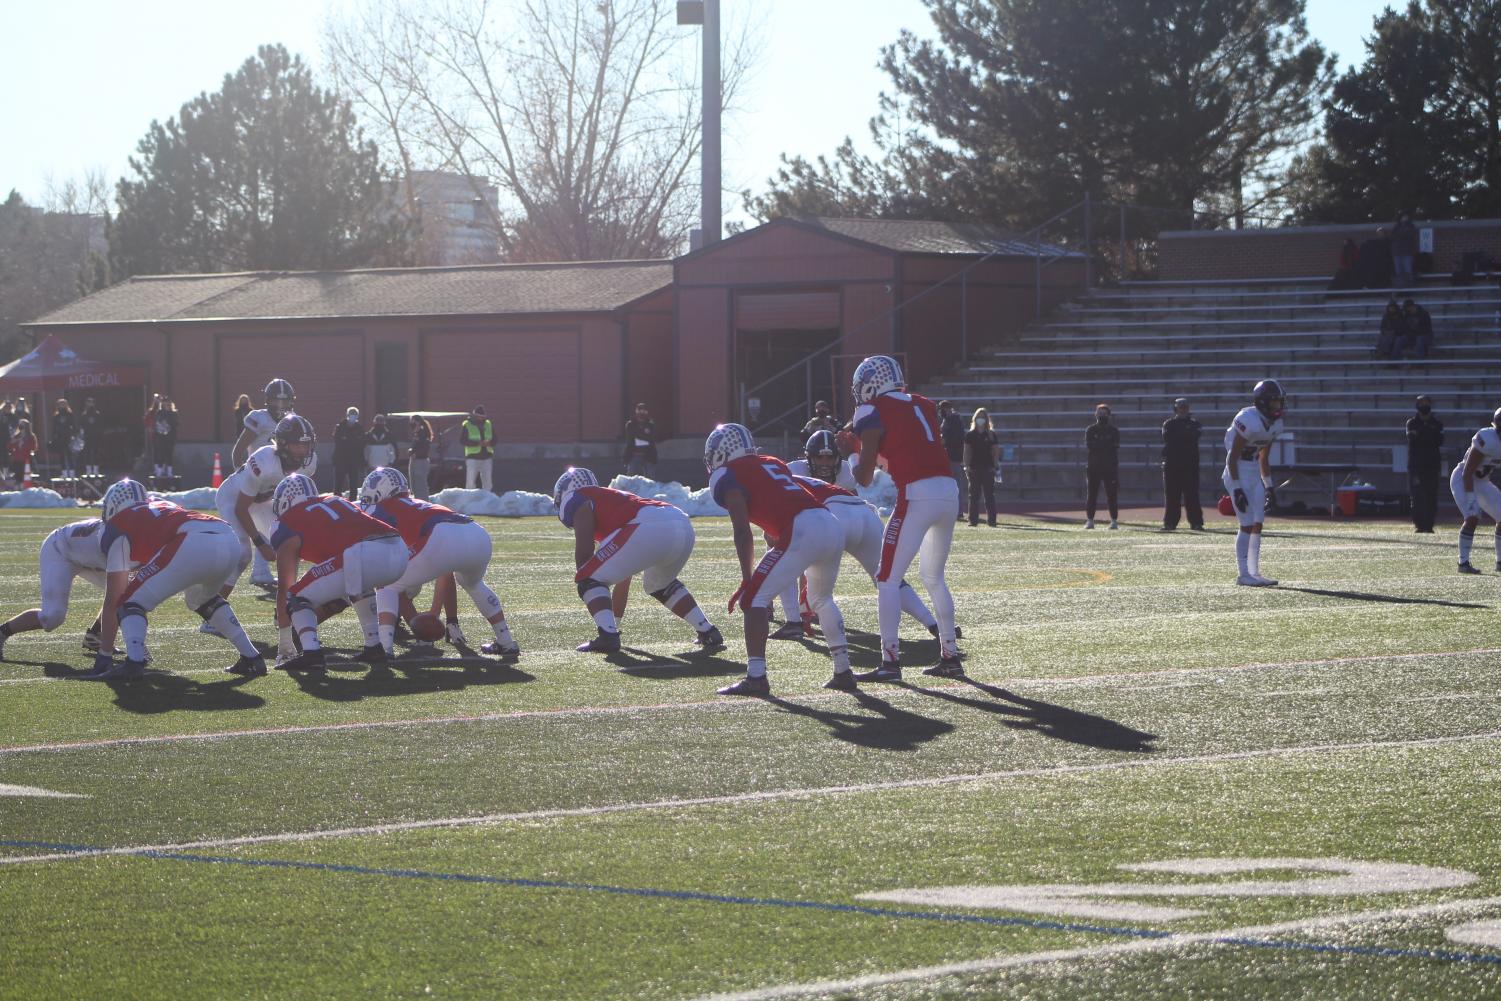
1227, 506
427, 626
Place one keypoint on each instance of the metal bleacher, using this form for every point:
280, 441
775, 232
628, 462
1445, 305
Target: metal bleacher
1139, 346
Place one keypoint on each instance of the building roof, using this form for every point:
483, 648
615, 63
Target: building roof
472, 290
920, 236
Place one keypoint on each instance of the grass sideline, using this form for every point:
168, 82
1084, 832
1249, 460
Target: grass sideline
580, 827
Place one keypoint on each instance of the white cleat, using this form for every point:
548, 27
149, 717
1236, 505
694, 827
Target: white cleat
1089, 523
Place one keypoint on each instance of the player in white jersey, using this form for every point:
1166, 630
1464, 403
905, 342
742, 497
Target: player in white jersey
1249, 440
1475, 490
244, 498
68, 552
260, 426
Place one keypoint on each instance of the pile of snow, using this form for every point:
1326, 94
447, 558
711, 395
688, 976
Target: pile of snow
197, 499
511, 504
881, 492
35, 497
695, 503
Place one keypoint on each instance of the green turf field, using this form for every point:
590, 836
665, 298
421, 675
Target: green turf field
1154, 785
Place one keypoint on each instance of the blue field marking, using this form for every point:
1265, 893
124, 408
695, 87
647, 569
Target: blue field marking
1444, 955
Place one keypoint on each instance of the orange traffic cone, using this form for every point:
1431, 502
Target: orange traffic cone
218, 473
26, 483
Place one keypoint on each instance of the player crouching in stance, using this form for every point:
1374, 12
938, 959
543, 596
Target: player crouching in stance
172, 551
68, 552
1249, 439
353, 556
244, 498
617, 535
438, 541
903, 429
804, 538
1474, 491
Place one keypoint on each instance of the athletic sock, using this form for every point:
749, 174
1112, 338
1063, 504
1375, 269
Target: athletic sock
305, 620
1466, 540
364, 609
387, 635
605, 620
1253, 558
841, 656
1242, 550
756, 667
698, 620
133, 628
1498, 545
502, 632
228, 624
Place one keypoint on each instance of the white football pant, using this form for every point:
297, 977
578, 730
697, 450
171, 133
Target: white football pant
57, 573
816, 548
460, 548
1255, 512
655, 544
921, 528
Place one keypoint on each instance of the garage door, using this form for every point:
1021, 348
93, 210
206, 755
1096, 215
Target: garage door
527, 380
326, 370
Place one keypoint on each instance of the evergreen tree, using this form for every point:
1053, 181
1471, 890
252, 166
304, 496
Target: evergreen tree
270, 172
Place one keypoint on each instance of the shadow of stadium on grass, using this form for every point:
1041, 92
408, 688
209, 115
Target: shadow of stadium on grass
1056, 722
889, 729
1388, 599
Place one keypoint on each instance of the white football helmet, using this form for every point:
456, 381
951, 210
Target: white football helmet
571, 480
876, 376
727, 443
121, 495
292, 491
383, 483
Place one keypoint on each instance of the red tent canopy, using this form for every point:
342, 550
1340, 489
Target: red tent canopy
54, 368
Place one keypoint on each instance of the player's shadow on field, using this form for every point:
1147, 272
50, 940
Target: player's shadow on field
699, 664
1057, 722
159, 692
1386, 599
885, 728
407, 676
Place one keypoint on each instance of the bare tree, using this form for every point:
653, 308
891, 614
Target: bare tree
584, 113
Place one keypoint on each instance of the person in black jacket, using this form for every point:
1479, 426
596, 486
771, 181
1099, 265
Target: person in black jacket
1180, 467
349, 454
90, 427
1425, 442
640, 454
981, 455
1103, 440
952, 430
1417, 331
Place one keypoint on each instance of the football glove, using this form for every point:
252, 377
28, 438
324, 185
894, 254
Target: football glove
1241, 501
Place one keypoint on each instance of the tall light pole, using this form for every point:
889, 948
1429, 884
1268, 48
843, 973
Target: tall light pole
706, 13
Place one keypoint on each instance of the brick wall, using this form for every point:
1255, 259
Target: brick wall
1302, 251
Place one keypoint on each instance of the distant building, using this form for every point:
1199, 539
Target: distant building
457, 216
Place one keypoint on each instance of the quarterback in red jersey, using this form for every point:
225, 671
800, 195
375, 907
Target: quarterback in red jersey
804, 538
352, 554
439, 542
617, 535
153, 550
903, 429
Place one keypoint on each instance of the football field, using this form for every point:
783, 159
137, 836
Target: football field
1154, 784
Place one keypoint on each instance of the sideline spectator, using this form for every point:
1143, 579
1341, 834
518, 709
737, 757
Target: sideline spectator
90, 427
349, 454
478, 435
1180, 468
982, 455
1417, 330
60, 436
1392, 327
23, 412
1349, 261
242, 411
1103, 440
22, 448
1404, 252
164, 439
1374, 269
419, 455
823, 419
7, 428
951, 428
380, 447
1425, 441
640, 455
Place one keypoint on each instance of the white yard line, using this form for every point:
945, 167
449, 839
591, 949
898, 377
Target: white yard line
1171, 942
9, 790
418, 721
736, 799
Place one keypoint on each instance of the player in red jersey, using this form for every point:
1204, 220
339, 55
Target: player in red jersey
439, 542
353, 555
903, 429
153, 550
804, 538
617, 535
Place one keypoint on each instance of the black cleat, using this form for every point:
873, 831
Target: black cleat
711, 639
372, 654
933, 632
843, 681
308, 660
1465, 567
889, 670
748, 686
603, 643
947, 667
248, 667
788, 631
125, 670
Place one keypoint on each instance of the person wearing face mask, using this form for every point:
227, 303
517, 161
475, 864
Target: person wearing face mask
1103, 441
1425, 442
982, 453
380, 446
349, 455
1180, 468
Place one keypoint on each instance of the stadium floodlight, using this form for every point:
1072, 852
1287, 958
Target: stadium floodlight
706, 13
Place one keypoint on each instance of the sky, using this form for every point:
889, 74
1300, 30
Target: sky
83, 79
